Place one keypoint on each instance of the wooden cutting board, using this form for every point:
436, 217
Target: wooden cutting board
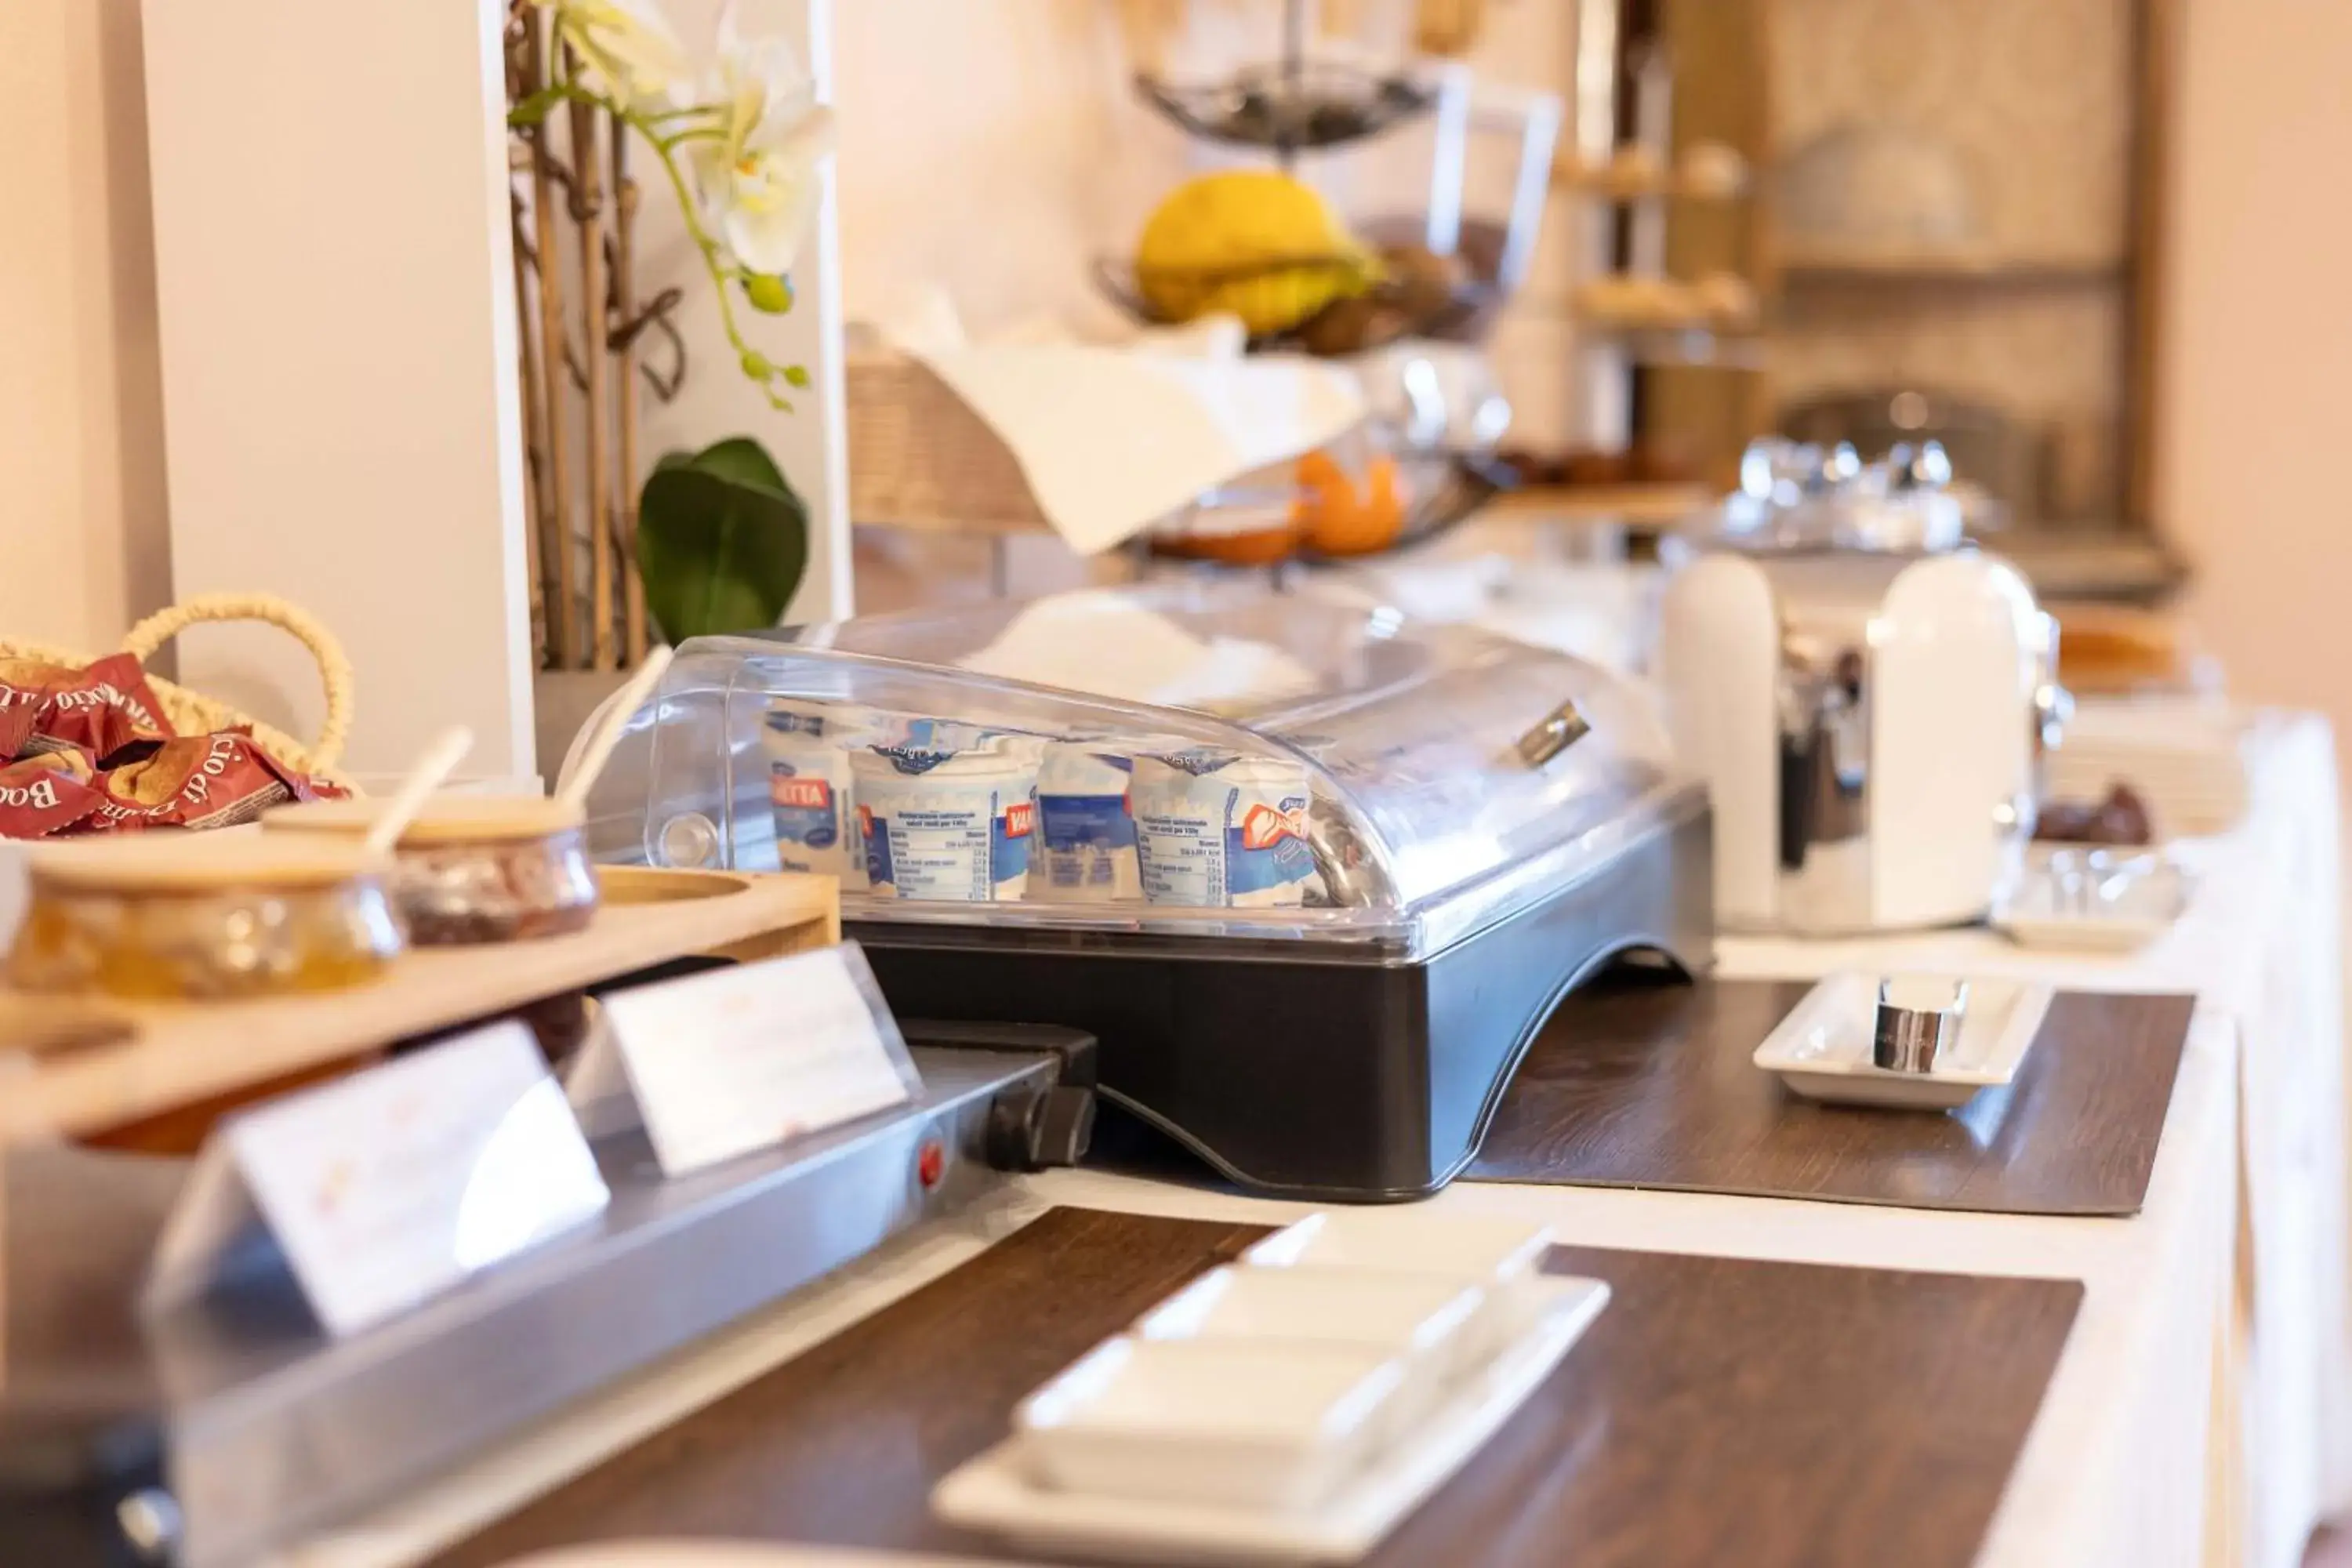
1639, 1082
1776, 1416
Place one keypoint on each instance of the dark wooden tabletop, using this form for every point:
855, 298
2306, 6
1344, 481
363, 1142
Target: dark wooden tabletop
1650, 1083
1775, 1415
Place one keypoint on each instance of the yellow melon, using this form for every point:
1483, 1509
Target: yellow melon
1254, 242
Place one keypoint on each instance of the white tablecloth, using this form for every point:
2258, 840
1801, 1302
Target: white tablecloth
2200, 1412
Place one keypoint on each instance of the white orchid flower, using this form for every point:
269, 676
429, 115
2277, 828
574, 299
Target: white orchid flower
629, 48
762, 174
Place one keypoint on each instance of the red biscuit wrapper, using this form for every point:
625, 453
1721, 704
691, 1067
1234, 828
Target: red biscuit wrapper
15, 730
103, 710
195, 781
47, 793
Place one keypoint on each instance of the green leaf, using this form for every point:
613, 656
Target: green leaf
745, 462
798, 376
722, 541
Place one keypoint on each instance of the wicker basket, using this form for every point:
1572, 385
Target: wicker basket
920, 458
190, 712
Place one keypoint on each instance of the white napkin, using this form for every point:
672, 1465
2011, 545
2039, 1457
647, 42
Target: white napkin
1112, 440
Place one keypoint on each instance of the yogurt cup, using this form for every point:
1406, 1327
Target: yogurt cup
810, 791
952, 825
1214, 829
1085, 831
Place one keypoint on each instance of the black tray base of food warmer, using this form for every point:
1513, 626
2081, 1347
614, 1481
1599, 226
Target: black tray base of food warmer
1336, 1080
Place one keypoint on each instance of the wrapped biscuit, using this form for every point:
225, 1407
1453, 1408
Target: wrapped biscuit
45, 793
197, 780
105, 709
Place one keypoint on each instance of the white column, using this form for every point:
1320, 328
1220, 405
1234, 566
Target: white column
336, 290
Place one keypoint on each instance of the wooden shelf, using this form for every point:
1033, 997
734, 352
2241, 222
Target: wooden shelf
1639, 505
1694, 346
2107, 564
1621, 182
79, 1066
1929, 268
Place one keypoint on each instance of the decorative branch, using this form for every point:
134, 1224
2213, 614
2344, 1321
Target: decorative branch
742, 165
666, 131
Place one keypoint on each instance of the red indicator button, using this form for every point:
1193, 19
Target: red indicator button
930, 1163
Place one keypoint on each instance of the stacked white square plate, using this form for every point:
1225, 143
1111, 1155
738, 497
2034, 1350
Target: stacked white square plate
2183, 756
1292, 1408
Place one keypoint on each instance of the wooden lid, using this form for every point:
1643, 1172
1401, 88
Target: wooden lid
445, 820
171, 862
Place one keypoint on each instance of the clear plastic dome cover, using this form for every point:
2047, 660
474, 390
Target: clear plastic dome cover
1217, 760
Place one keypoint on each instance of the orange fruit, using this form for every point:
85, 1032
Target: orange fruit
1346, 523
1325, 496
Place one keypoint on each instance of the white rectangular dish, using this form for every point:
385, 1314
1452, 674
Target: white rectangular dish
1501, 1255
998, 1490
1822, 1051
1430, 1322
1471, 1247
1233, 1423
2121, 912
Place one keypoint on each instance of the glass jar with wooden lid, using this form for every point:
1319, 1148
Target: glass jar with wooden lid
175, 916
471, 868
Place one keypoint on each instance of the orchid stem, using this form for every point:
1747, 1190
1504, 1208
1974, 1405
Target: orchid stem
532, 111
713, 261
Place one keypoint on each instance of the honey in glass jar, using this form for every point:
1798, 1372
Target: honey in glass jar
178, 916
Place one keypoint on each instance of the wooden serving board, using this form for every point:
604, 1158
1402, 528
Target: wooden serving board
1772, 1415
72, 1065
1639, 1082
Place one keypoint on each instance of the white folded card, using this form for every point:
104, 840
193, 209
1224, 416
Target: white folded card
387, 1187
735, 1059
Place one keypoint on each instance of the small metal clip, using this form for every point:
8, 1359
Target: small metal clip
1556, 733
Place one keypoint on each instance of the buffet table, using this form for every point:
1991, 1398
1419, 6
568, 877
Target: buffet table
2262, 945
2201, 1412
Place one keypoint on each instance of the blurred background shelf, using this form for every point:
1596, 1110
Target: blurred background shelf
1931, 268
1634, 505
1615, 182
1689, 347
2114, 566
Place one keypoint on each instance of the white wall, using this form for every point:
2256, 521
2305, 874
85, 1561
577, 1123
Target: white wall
82, 542
942, 98
2256, 426
336, 290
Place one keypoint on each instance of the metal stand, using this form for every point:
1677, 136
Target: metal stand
231, 1426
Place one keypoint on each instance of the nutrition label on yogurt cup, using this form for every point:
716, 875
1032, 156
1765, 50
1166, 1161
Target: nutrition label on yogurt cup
1183, 858
941, 854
